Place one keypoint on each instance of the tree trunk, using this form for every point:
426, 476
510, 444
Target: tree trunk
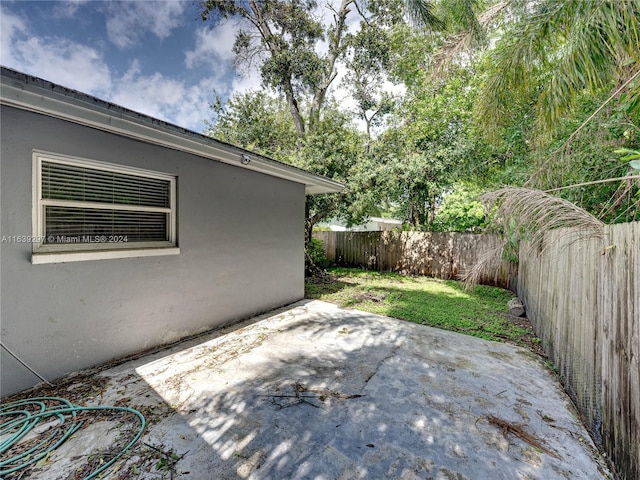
309, 222
294, 109
308, 226
335, 45
432, 210
263, 27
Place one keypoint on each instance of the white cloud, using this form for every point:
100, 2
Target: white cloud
67, 8
148, 94
11, 27
67, 63
213, 46
128, 21
83, 68
194, 107
165, 98
59, 60
250, 81
183, 101
214, 49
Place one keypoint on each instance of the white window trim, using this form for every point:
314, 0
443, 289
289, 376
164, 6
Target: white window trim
73, 252
42, 258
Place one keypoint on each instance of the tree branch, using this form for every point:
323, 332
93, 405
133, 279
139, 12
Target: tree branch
335, 44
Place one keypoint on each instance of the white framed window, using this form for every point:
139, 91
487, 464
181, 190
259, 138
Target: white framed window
85, 210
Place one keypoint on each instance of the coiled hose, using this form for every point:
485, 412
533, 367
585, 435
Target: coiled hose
23, 416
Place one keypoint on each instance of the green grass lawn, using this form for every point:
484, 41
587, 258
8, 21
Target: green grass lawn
481, 312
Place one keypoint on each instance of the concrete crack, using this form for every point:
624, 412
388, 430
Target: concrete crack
394, 350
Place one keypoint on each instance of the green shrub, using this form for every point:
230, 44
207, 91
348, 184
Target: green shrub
315, 250
460, 212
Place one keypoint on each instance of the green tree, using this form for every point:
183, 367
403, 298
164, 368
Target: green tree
262, 122
257, 121
587, 158
297, 56
428, 147
282, 37
559, 92
412, 164
368, 61
556, 49
460, 210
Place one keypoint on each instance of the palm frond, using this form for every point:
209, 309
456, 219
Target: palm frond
579, 45
488, 261
515, 62
463, 15
421, 14
532, 213
469, 30
523, 217
596, 54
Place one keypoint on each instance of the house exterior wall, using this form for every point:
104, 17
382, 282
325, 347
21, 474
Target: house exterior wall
241, 242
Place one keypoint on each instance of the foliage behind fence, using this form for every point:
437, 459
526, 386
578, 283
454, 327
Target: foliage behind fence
583, 299
441, 255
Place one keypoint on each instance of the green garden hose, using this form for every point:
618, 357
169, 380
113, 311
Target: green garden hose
23, 416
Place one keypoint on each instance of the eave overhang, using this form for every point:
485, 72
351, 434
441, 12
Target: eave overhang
33, 94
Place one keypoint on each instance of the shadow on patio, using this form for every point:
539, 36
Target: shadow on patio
312, 391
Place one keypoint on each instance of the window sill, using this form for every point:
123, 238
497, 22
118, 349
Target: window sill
63, 257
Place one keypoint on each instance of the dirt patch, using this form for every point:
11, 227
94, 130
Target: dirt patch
78, 388
371, 296
528, 339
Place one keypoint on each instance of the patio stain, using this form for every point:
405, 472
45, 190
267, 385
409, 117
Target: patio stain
390, 400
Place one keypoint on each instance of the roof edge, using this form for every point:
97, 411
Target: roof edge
34, 94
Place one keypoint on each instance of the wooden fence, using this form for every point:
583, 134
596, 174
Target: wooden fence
441, 255
583, 299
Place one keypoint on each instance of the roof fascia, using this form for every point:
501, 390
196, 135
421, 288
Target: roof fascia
140, 127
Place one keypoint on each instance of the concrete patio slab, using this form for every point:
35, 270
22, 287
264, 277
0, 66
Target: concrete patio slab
316, 392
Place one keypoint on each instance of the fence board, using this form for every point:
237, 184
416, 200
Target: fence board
582, 299
328, 242
441, 255
620, 332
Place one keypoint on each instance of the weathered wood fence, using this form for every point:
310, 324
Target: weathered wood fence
582, 297
583, 300
441, 255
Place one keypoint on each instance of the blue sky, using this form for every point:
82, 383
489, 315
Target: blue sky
155, 57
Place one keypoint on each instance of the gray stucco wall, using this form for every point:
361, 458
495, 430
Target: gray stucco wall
241, 238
